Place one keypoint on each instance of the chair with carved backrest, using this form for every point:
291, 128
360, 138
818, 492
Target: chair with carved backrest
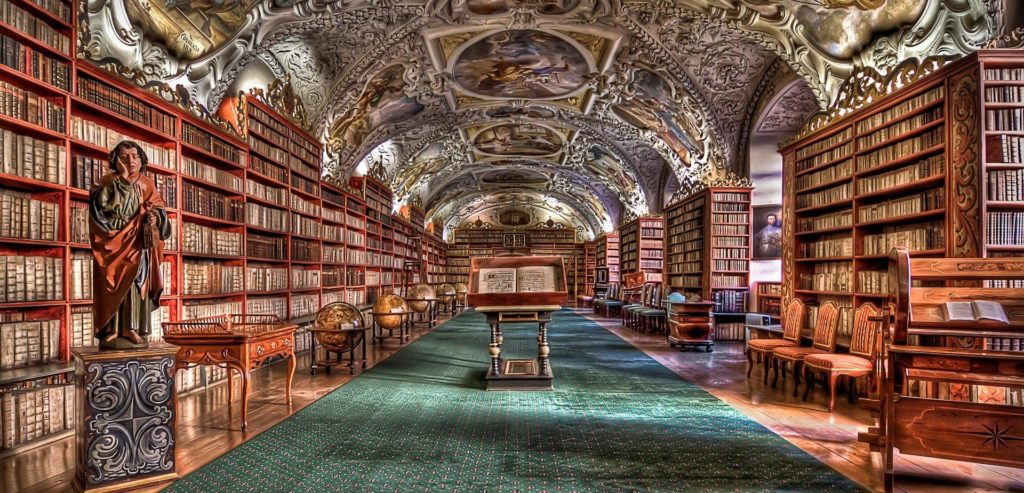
613, 301
793, 327
631, 312
825, 331
860, 361
653, 318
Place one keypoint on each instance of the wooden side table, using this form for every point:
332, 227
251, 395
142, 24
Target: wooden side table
691, 325
238, 342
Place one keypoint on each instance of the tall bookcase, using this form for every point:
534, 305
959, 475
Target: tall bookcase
589, 265
471, 242
606, 251
435, 255
642, 247
708, 246
927, 165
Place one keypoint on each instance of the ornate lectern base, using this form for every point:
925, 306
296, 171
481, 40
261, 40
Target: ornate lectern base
520, 374
125, 402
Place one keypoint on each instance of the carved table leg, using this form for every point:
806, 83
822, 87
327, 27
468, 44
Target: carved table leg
231, 384
363, 338
495, 349
245, 399
542, 349
352, 354
291, 375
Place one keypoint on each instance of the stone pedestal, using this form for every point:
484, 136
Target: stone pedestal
125, 402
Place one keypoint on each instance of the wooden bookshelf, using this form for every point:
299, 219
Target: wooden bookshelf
769, 298
589, 265
918, 167
470, 242
606, 252
642, 247
708, 246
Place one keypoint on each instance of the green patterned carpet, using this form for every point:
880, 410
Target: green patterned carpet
420, 421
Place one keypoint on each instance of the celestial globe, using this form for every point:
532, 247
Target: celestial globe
387, 305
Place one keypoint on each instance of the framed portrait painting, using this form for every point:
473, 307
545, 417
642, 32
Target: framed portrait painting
767, 232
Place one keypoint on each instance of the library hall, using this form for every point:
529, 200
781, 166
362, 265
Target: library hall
511, 246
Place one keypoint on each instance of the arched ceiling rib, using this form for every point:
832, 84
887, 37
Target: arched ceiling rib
660, 91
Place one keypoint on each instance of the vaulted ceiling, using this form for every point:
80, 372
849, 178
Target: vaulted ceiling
587, 111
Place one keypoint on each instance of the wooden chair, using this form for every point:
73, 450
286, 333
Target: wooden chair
859, 362
612, 301
631, 312
976, 421
824, 342
793, 326
652, 318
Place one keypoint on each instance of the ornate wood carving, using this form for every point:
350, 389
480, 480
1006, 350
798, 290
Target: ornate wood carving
788, 226
965, 163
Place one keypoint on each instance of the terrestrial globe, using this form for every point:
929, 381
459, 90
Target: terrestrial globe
390, 311
332, 323
420, 296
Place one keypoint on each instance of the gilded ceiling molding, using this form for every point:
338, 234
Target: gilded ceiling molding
865, 86
1011, 40
465, 204
281, 96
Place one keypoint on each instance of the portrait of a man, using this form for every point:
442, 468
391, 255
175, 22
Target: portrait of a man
767, 232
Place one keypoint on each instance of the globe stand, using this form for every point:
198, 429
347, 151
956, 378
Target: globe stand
402, 328
355, 338
447, 304
428, 317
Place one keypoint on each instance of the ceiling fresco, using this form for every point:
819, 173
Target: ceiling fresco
607, 105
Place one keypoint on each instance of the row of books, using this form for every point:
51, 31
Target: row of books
265, 246
827, 175
200, 239
1005, 148
830, 246
342, 235
304, 305
932, 166
829, 156
81, 275
769, 288
655, 244
730, 301
302, 205
209, 308
730, 229
22, 20
30, 107
1006, 185
651, 232
297, 140
729, 331
728, 281
205, 172
23, 217
831, 220
731, 197
306, 251
211, 143
927, 200
823, 197
32, 158
34, 414
1005, 228
994, 74
268, 169
266, 217
899, 128
651, 264
100, 136
305, 226
730, 265
935, 136
823, 144
25, 343
873, 281
125, 104
273, 305
729, 207
273, 153
343, 276
59, 8
209, 277
732, 241
901, 109
827, 276
732, 218
1004, 94
845, 312
730, 253
275, 194
1007, 119
31, 278
206, 202
265, 278
35, 64
928, 236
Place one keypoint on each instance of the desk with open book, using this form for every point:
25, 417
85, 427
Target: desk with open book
514, 290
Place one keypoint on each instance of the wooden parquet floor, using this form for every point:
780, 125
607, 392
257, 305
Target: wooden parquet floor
206, 430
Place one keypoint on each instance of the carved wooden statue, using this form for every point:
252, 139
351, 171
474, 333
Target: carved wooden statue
127, 226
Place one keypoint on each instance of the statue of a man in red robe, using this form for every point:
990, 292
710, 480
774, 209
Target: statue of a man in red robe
127, 226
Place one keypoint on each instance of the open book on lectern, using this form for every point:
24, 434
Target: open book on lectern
527, 279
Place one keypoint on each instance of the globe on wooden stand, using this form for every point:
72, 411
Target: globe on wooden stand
461, 289
446, 295
390, 312
421, 301
339, 328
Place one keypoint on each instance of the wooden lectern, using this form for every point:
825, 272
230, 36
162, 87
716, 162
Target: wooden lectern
511, 290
